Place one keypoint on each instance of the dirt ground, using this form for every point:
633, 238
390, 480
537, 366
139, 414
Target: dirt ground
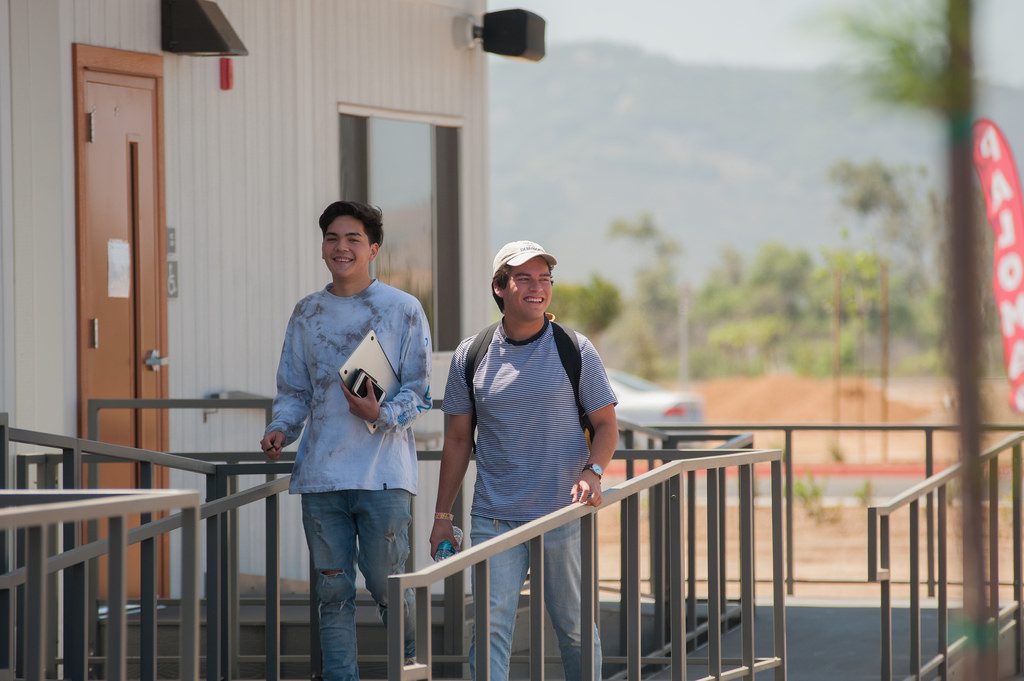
789, 399
830, 553
832, 544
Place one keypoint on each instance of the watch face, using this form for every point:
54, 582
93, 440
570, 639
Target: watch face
597, 469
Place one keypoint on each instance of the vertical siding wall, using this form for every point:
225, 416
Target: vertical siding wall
247, 172
7, 366
41, 232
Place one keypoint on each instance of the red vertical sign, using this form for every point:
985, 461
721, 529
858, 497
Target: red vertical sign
999, 182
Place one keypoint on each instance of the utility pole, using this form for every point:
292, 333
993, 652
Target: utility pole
836, 343
982, 637
684, 336
884, 286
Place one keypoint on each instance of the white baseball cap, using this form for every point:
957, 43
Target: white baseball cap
517, 252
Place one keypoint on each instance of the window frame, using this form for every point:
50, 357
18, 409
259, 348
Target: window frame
446, 183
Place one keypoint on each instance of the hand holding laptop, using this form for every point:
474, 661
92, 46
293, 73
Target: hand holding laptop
367, 379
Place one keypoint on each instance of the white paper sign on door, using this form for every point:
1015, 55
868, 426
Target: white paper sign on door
119, 269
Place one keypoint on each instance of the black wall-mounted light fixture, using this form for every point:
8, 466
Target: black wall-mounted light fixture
516, 33
199, 28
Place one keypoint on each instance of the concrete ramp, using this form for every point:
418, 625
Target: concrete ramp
831, 641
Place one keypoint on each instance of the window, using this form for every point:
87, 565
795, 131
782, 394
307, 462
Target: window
410, 169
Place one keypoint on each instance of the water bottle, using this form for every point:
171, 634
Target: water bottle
445, 548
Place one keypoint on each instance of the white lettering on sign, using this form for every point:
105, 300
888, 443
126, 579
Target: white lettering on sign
1012, 315
1000, 190
989, 145
1017, 360
1000, 185
1009, 270
1007, 233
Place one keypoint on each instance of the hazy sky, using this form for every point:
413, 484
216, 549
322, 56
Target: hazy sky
795, 34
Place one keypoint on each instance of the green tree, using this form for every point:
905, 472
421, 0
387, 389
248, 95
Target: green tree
591, 307
747, 319
654, 315
896, 202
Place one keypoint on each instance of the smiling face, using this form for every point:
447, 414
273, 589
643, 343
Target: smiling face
527, 294
347, 251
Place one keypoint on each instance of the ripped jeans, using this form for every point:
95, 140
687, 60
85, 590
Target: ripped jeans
341, 527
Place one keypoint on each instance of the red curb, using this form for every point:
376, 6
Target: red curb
860, 470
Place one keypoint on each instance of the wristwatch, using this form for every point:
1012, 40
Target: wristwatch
598, 471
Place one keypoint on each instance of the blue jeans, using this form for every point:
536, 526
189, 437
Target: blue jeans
561, 596
333, 521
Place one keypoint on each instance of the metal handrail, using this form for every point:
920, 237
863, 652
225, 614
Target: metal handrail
136, 535
933, 483
670, 430
111, 451
95, 406
1002, 620
627, 493
897, 427
35, 513
81, 618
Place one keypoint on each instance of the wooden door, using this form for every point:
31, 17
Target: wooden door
122, 305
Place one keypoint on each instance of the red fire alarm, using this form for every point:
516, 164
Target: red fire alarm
227, 73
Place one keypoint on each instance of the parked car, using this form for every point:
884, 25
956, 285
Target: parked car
643, 402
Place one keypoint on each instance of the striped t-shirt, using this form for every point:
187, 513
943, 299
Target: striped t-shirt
530, 449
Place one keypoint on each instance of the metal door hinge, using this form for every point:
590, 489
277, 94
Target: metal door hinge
90, 126
94, 333
154, 361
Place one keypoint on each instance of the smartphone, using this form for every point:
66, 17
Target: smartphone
363, 383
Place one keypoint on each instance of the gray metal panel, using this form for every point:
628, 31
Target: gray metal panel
117, 599
448, 181
35, 617
189, 631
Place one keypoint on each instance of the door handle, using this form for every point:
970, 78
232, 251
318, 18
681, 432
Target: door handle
154, 361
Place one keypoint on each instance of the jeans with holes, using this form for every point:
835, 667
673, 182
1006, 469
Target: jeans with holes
343, 527
562, 590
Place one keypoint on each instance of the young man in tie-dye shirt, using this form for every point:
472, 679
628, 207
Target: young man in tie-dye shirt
356, 486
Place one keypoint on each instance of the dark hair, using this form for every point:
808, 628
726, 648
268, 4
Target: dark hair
370, 216
500, 279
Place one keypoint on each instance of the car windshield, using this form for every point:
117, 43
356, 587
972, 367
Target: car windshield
633, 382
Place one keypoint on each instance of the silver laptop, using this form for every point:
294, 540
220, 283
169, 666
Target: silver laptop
370, 357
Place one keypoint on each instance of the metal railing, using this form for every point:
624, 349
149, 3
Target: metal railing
95, 406
36, 514
659, 526
1003, 619
670, 435
242, 463
221, 541
79, 594
670, 479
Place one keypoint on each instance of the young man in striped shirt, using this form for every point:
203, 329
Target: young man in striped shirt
531, 453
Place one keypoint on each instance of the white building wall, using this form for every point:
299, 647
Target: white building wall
42, 244
247, 172
7, 366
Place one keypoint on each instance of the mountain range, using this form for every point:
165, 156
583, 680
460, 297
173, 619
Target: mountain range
720, 156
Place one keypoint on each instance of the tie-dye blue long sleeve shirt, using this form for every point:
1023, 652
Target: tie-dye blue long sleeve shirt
337, 451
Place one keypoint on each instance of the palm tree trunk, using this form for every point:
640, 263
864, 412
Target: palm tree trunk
965, 319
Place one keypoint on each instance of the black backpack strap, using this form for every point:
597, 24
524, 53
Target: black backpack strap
568, 344
477, 352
